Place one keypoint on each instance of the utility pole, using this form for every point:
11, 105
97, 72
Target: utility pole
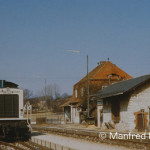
45, 99
87, 89
75, 51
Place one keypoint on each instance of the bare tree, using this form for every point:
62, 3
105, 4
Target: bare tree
64, 95
48, 94
27, 94
56, 91
47, 91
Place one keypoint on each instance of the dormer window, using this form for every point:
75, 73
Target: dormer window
113, 75
104, 86
82, 91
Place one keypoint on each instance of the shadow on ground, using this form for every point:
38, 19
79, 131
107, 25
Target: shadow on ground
36, 133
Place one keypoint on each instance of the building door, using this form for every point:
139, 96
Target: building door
101, 117
115, 108
67, 111
140, 122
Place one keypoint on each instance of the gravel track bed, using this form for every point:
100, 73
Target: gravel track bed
18, 146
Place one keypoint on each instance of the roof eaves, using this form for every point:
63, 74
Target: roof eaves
106, 96
138, 84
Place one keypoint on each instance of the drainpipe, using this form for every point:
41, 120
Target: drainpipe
88, 114
71, 114
142, 110
149, 116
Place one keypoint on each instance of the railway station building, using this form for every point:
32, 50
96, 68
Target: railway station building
125, 106
103, 75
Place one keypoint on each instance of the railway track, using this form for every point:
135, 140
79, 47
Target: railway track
18, 146
93, 135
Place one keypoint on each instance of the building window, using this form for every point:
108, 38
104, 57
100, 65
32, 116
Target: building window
100, 102
104, 87
82, 91
76, 93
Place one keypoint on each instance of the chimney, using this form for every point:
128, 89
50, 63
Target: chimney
102, 63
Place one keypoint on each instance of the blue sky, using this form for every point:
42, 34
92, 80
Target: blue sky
35, 36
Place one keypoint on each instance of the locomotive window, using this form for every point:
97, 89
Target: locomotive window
9, 105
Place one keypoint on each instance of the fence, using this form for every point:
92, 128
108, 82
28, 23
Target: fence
49, 118
49, 145
54, 121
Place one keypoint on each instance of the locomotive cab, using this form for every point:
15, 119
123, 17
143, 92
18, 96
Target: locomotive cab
12, 123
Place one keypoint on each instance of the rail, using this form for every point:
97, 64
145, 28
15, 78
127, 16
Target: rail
18, 146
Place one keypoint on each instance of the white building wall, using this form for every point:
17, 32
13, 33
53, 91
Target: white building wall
107, 113
124, 117
99, 107
137, 102
75, 115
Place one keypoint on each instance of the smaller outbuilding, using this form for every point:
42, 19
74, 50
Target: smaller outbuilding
125, 105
